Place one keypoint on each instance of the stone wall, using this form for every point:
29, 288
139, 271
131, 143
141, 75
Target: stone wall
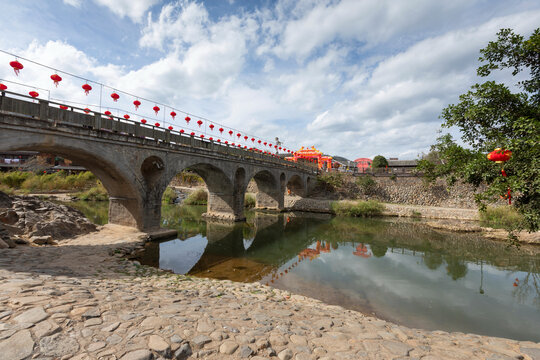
414, 191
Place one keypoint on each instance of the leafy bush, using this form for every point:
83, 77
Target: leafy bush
501, 217
249, 201
366, 183
14, 179
368, 208
169, 196
331, 181
198, 197
96, 193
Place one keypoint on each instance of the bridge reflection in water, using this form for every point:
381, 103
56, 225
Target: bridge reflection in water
401, 271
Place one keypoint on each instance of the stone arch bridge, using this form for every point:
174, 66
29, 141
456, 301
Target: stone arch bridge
136, 162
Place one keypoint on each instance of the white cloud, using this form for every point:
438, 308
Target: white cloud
74, 3
134, 9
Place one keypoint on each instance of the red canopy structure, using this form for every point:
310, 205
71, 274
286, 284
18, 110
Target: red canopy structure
312, 154
363, 164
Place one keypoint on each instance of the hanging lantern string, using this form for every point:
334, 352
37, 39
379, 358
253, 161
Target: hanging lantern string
25, 85
123, 92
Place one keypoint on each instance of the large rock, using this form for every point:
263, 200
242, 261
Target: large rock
5, 201
32, 316
18, 346
58, 345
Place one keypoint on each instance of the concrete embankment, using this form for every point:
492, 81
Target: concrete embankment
83, 300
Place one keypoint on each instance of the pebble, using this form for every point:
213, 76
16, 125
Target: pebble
228, 347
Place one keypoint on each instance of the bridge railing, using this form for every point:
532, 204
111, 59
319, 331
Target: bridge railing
19, 104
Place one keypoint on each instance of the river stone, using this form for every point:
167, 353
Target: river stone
228, 347
183, 352
245, 351
58, 345
32, 316
199, 341
45, 328
397, 348
534, 353
286, 354
157, 344
138, 355
91, 313
18, 346
111, 327
96, 346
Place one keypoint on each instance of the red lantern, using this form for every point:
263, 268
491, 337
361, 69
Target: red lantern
182, 131
3, 87
499, 155
17, 66
252, 139
115, 97
270, 145
192, 133
202, 136
226, 142
232, 144
210, 138
187, 119
126, 117
238, 135
245, 147
87, 110
230, 132
173, 114
56, 78
86, 88
218, 140
279, 148
199, 122
221, 130
259, 141
211, 126
63, 107
143, 121
239, 145
137, 103
157, 124
170, 128
265, 143
245, 137
275, 146
156, 109
108, 113
33, 94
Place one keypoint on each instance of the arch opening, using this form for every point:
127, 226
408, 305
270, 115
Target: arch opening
268, 191
295, 186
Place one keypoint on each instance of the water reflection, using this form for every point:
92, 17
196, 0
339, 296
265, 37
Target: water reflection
401, 271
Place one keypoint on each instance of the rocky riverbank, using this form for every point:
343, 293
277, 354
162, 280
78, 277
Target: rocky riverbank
26, 220
83, 300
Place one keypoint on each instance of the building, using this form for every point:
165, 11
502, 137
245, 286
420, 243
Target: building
402, 166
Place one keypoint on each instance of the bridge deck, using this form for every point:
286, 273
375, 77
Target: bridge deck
15, 104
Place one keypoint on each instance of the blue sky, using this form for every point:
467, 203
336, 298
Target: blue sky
354, 78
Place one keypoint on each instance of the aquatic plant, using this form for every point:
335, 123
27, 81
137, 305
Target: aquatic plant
357, 208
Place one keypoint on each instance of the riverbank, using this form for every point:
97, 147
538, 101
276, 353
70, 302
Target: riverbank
82, 299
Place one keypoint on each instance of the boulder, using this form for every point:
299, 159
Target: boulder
9, 217
5, 201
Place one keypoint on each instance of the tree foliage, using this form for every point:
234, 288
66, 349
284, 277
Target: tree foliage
379, 161
491, 116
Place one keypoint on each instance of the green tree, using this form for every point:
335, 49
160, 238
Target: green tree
379, 161
491, 116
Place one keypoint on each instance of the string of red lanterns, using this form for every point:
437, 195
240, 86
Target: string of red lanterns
18, 66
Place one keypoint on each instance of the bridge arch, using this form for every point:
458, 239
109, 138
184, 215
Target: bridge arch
223, 188
268, 190
125, 196
295, 186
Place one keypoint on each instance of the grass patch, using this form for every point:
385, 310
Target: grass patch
95, 193
169, 196
28, 181
249, 201
198, 197
368, 208
502, 217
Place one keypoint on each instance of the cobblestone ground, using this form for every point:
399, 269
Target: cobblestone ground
83, 300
